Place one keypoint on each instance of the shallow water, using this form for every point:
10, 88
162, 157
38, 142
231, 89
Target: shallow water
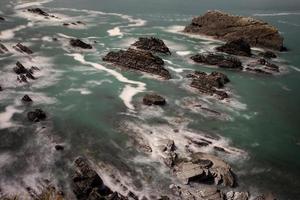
89, 102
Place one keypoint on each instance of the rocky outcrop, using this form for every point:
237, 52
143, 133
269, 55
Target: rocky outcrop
22, 48
207, 83
26, 98
152, 44
138, 60
221, 61
228, 27
237, 47
23, 73
38, 11
205, 168
153, 99
36, 115
268, 54
3, 49
88, 185
263, 66
80, 44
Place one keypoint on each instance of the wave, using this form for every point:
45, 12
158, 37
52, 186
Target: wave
30, 4
10, 33
5, 117
275, 14
295, 68
115, 32
128, 92
288, 23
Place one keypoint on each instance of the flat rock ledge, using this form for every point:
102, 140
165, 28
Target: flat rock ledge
222, 61
154, 99
152, 44
209, 83
138, 60
223, 26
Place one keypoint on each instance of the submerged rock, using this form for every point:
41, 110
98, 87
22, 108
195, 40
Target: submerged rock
38, 11
3, 49
237, 47
221, 61
36, 115
80, 44
152, 44
22, 48
207, 83
138, 60
228, 27
153, 99
26, 98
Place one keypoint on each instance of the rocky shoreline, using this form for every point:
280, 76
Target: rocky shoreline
199, 175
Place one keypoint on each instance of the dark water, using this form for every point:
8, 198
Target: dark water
87, 104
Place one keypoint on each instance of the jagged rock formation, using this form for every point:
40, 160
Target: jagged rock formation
26, 98
152, 44
22, 48
219, 60
228, 27
138, 60
24, 73
38, 11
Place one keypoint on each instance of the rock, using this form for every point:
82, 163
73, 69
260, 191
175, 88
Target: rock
237, 47
257, 70
138, 60
264, 65
268, 196
20, 69
23, 72
22, 48
219, 60
36, 115
26, 98
38, 11
268, 54
80, 44
59, 147
237, 195
153, 99
22, 78
86, 183
207, 83
228, 27
205, 168
152, 44
2, 18
220, 149
66, 24
3, 49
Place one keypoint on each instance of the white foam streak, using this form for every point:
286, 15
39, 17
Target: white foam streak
276, 14
10, 33
128, 92
30, 4
5, 117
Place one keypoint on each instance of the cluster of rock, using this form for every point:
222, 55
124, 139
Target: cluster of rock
24, 73
152, 44
209, 83
143, 61
228, 27
39, 11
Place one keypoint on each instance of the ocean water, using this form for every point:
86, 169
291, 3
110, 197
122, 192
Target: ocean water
93, 107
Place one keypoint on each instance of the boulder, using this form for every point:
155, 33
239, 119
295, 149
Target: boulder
205, 168
207, 83
231, 195
152, 44
80, 44
153, 99
221, 61
3, 49
22, 48
26, 98
138, 60
268, 54
237, 47
2, 18
59, 147
36, 115
38, 11
223, 26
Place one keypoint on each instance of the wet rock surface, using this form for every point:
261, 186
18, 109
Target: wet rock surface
38, 11
237, 195
239, 47
23, 73
152, 44
153, 99
22, 48
221, 61
3, 49
268, 54
224, 26
263, 66
80, 44
36, 115
207, 83
26, 98
138, 60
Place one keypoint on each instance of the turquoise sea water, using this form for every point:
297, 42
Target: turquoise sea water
88, 101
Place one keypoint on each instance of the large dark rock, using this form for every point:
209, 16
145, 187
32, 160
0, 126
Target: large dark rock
3, 49
138, 60
2, 18
22, 48
237, 47
38, 11
80, 44
36, 115
23, 72
26, 98
153, 99
207, 83
219, 60
20, 69
228, 27
152, 44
